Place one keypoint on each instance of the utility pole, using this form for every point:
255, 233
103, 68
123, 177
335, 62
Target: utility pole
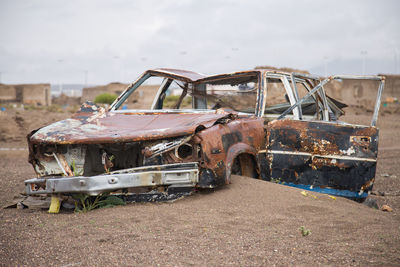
60, 84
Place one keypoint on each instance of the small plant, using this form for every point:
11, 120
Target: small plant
304, 231
54, 108
87, 203
74, 170
30, 107
110, 159
105, 98
73, 108
277, 181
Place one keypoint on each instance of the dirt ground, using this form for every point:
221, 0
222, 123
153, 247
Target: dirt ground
249, 222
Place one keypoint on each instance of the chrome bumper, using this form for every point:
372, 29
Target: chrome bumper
182, 174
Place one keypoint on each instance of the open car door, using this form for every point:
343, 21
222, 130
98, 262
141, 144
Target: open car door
324, 155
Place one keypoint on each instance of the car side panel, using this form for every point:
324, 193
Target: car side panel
322, 154
222, 142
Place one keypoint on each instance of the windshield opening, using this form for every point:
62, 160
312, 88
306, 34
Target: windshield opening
237, 93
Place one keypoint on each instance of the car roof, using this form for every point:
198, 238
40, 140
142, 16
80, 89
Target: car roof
191, 76
186, 75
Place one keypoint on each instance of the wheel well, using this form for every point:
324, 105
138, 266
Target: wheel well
246, 165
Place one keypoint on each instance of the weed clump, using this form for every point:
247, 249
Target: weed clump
87, 203
304, 231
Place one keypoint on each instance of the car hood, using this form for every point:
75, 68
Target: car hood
111, 127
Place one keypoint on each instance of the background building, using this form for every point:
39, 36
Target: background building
31, 94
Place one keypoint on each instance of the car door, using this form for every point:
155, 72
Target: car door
321, 155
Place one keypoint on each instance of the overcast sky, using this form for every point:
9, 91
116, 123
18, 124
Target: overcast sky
59, 41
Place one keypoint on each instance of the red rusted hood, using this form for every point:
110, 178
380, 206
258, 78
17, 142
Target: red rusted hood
123, 127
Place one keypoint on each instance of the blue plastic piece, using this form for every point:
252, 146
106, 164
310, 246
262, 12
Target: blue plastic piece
330, 191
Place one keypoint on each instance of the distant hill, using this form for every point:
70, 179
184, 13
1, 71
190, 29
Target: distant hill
284, 69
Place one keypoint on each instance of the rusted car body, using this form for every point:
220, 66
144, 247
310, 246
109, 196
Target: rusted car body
270, 125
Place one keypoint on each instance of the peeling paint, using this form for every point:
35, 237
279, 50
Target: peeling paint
150, 149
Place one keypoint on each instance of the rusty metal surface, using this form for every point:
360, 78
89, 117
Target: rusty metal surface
119, 127
229, 75
172, 174
322, 154
221, 142
323, 138
178, 74
195, 77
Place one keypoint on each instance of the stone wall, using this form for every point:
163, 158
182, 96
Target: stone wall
392, 86
7, 93
90, 93
36, 94
363, 93
31, 94
142, 98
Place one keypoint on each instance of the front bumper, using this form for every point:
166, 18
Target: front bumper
181, 174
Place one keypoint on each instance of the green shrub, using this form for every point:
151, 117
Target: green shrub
105, 98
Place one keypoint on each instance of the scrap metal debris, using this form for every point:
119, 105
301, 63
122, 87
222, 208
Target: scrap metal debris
386, 208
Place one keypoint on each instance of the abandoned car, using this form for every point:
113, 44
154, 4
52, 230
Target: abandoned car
199, 130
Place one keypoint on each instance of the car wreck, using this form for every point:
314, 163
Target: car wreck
200, 130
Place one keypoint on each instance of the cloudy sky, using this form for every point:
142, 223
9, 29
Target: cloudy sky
103, 40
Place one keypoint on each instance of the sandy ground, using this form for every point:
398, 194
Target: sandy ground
249, 222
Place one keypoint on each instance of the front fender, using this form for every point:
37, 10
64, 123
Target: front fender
234, 151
